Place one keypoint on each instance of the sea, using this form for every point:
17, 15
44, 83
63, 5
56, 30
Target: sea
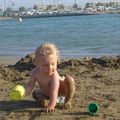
75, 36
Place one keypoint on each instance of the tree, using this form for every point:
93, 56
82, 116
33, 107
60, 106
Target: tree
8, 12
49, 7
61, 6
21, 9
36, 7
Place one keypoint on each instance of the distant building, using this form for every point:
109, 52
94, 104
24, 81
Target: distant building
90, 7
42, 7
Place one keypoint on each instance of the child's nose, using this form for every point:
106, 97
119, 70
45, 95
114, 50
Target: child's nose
50, 67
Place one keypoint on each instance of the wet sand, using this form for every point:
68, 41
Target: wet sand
8, 60
5, 18
96, 80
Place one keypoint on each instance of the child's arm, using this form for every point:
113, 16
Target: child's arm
54, 87
30, 84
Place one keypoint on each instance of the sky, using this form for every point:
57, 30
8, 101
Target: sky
31, 3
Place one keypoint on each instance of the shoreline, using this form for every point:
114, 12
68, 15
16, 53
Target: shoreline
5, 18
8, 60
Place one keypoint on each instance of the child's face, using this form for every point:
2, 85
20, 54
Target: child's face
47, 64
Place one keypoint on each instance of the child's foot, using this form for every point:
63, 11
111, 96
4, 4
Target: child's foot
41, 99
43, 103
67, 105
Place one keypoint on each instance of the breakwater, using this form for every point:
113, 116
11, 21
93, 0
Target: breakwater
44, 15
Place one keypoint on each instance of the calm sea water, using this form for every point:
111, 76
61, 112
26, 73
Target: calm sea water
75, 36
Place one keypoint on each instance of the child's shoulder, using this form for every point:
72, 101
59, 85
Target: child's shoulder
55, 75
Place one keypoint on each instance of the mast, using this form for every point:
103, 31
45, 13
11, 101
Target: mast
4, 6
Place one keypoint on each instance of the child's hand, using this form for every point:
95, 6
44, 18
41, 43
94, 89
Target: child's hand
48, 109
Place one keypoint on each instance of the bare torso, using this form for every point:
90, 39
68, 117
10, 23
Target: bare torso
44, 81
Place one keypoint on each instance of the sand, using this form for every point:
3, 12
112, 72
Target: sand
8, 60
96, 80
5, 18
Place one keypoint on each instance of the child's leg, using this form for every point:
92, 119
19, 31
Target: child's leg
68, 90
39, 97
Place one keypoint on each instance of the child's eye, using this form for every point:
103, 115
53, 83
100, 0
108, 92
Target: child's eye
45, 65
53, 64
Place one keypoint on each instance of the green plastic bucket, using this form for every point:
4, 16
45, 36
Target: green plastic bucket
93, 108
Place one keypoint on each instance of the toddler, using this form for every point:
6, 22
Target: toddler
51, 84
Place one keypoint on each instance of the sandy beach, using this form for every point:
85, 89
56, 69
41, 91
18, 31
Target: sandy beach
8, 60
96, 80
5, 18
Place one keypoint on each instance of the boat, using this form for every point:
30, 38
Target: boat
20, 19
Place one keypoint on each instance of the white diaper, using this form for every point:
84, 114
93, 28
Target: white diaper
62, 78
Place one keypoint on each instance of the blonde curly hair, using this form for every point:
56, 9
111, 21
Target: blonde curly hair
47, 49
